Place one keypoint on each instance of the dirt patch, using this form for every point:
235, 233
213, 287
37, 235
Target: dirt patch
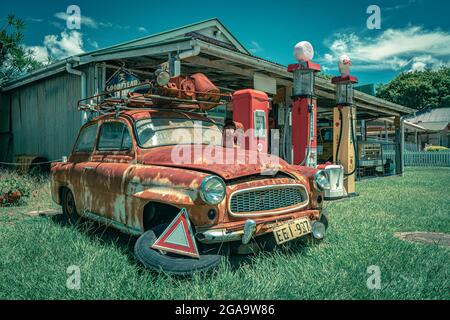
441, 239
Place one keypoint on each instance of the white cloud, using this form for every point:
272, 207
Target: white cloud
328, 57
93, 43
255, 47
394, 49
142, 29
40, 53
68, 43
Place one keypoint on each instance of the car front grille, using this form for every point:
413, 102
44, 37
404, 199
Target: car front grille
267, 198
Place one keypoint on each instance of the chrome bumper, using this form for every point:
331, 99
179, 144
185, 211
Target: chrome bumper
221, 235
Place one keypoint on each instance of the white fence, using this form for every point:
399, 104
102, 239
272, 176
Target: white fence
422, 158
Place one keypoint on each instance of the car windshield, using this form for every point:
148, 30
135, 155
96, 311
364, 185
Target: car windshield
164, 132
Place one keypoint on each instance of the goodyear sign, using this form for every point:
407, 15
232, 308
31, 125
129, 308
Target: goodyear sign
121, 80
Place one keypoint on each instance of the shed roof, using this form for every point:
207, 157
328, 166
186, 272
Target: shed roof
211, 28
432, 119
431, 115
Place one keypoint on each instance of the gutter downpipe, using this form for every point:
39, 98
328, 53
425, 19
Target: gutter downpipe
82, 74
189, 53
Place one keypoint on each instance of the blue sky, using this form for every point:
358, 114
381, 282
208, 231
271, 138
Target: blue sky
414, 33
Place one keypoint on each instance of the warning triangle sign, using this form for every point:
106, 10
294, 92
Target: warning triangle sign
178, 237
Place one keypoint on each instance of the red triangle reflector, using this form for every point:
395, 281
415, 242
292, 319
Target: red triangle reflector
178, 237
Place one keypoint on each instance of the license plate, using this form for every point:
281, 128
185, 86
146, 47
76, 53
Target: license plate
291, 230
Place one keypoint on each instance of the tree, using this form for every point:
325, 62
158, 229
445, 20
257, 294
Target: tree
15, 58
419, 89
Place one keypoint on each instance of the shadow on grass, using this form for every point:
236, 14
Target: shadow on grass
105, 235
110, 236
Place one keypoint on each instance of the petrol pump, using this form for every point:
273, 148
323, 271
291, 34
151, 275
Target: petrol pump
251, 109
344, 124
304, 106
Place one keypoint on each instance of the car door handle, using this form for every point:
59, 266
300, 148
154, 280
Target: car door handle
88, 168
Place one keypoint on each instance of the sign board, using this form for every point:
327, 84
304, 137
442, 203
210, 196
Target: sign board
178, 237
264, 83
121, 80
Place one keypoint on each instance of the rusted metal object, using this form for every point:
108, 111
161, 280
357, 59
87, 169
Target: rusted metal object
195, 91
10, 198
122, 187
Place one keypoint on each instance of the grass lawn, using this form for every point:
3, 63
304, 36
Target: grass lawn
35, 253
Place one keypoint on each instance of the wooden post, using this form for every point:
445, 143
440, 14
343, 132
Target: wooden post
399, 145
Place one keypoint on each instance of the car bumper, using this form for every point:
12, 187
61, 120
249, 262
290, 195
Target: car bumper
238, 231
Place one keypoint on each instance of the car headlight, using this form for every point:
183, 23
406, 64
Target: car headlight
212, 190
321, 180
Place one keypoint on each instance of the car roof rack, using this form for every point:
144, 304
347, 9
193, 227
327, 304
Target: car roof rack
104, 103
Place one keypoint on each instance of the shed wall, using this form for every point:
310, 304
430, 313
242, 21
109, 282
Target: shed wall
45, 120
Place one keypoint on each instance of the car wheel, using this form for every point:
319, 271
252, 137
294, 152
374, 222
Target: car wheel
170, 263
70, 213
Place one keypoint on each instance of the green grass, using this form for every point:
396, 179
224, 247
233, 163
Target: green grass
36, 251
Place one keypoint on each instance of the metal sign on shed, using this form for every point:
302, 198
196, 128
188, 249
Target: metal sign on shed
121, 80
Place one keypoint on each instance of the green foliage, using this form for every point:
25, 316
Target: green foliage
324, 76
15, 58
436, 148
15, 189
419, 90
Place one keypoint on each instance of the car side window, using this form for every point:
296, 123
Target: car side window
114, 136
86, 140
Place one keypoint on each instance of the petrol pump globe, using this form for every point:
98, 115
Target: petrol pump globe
303, 73
344, 83
303, 51
344, 65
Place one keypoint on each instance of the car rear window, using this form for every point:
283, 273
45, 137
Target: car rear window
86, 139
114, 136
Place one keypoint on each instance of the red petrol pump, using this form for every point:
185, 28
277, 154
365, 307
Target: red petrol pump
304, 107
251, 109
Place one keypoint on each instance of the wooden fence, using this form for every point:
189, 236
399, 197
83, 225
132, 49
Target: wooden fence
422, 158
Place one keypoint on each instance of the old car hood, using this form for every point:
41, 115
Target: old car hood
241, 162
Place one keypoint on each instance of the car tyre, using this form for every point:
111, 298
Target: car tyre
324, 219
70, 214
173, 264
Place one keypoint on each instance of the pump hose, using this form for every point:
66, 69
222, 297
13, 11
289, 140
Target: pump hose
308, 147
352, 129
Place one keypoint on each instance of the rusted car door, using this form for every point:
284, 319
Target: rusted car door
115, 156
82, 165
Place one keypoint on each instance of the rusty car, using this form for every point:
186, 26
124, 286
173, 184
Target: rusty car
118, 175
129, 171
